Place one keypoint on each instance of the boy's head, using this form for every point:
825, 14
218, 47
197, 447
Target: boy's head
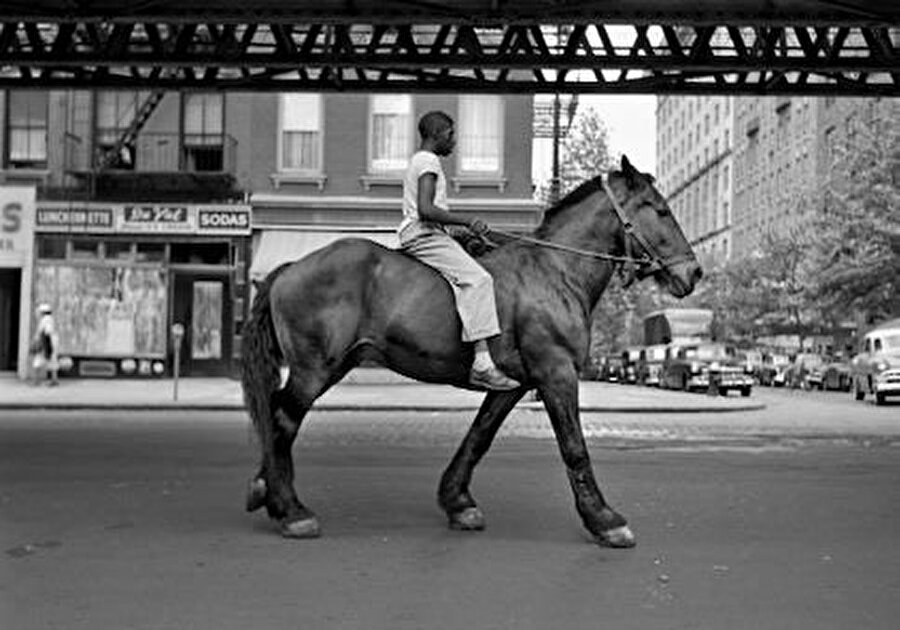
436, 131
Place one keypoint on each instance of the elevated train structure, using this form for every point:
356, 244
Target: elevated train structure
573, 46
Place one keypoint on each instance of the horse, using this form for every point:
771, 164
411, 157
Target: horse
315, 319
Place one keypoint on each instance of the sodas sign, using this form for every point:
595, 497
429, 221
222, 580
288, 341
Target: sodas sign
232, 221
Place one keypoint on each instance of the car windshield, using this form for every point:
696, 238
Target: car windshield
811, 359
891, 342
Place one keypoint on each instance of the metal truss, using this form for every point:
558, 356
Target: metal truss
579, 57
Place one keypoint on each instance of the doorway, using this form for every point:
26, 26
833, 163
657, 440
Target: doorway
202, 304
10, 284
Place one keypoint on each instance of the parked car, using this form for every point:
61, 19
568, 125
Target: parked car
837, 376
693, 366
650, 362
630, 359
607, 368
805, 372
876, 369
771, 372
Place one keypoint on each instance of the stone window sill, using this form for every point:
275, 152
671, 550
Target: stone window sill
479, 182
368, 181
298, 178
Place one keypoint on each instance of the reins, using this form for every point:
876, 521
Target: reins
651, 258
571, 250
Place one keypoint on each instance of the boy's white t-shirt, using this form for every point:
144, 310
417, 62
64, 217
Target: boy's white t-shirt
412, 225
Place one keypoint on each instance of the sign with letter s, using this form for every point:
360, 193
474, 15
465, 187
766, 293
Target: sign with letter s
17, 207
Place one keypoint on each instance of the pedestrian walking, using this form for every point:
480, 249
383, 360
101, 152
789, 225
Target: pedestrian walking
45, 348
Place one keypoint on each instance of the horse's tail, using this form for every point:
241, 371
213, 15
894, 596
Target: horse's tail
261, 359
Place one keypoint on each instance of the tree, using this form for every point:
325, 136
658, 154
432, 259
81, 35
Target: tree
859, 226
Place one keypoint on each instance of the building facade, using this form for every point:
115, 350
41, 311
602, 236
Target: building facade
331, 165
152, 211
694, 149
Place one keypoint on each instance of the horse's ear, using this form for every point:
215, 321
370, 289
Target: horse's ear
628, 171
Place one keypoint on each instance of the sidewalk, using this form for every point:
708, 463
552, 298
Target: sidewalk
363, 389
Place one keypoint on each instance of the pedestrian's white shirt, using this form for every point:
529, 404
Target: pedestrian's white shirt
420, 163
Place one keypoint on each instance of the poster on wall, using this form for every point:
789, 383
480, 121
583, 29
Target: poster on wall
106, 311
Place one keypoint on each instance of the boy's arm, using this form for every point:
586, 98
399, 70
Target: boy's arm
430, 212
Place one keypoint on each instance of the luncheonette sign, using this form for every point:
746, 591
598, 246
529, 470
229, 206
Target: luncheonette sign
145, 218
16, 225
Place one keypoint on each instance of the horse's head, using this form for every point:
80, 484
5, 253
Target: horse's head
655, 233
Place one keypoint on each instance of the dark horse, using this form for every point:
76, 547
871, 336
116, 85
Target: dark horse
313, 320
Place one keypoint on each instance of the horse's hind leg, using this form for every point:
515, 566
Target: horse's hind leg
453, 491
273, 486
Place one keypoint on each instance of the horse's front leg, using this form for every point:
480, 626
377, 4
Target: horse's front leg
559, 390
453, 491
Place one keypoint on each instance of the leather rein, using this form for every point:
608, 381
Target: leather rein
649, 263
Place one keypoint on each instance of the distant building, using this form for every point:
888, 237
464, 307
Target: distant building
695, 167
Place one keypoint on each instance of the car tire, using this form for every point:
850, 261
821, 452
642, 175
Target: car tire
880, 398
745, 392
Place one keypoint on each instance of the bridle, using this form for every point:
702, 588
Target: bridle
631, 267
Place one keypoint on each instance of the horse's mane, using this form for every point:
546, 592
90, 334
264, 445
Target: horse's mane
582, 192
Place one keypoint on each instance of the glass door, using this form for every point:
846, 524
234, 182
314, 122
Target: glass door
203, 307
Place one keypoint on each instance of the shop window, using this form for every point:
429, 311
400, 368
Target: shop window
51, 247
85, 249
150, 252
27, 131
390, 132
200, 253
118, 250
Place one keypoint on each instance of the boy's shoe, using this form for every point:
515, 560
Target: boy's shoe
492, 378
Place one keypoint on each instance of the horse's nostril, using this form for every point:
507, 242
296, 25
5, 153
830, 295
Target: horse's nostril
698, 273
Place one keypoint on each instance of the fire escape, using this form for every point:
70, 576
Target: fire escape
142, 165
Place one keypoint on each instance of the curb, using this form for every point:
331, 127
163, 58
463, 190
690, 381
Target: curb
339, 407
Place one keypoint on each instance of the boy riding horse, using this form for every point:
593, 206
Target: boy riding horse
423, 235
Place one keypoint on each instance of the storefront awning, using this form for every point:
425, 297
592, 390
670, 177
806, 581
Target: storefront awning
274, 247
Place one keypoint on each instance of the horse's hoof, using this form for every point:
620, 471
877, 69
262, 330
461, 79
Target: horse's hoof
256, 494
617, 538
304, 528
469, 519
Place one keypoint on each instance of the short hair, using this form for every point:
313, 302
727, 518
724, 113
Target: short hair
433, 123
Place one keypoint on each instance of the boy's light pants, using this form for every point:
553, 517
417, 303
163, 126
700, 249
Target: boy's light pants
472, 284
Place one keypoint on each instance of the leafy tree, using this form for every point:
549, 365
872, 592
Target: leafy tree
859, 227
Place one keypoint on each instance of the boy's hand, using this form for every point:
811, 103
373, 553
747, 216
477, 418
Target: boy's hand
479, 227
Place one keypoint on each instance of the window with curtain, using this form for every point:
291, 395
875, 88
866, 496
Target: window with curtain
480, 134
391, 134
27, 129
204, 140
301, 132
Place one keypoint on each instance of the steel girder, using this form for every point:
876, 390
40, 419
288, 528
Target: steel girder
579, 57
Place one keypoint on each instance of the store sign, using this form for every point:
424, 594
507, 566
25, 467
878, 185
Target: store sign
16, 229
156, 218
222, 221
75, 219
145, 218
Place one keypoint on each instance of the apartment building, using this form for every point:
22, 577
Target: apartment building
783, 156
136, 213
694, 149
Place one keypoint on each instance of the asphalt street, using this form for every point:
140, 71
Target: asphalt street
135, 520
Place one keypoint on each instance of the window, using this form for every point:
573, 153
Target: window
390, 132
301, 133
27, 130
204, 118
115, 112
480, 134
